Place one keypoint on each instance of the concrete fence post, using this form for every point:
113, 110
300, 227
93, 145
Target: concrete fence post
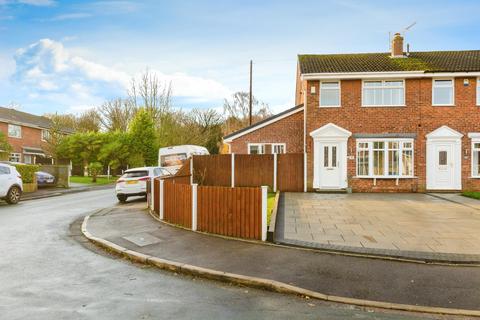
194, 206
152, 193
264, 212
275, 159
161, 191
233, 170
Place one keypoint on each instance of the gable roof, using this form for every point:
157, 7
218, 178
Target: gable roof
428, 61
265, 122
27, 119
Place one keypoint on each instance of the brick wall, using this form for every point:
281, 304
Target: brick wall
288, 130
31, 137
418, 116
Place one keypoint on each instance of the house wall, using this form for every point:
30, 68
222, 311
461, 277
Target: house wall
418, 116
31, 137
288, 130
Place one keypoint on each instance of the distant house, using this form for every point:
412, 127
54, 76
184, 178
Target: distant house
27, 134
391, 121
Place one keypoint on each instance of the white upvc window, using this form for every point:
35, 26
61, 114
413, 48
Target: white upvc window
278, 148
383, 93
443, 92
385, 158
14, 157
329, 94
14, 131
476, 158
256, 148
478, 92
45, 135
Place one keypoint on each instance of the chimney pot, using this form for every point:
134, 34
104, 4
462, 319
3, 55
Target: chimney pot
397, 45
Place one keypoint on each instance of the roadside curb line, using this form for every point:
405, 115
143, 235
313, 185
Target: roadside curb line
261, 283
57, 194
329, 251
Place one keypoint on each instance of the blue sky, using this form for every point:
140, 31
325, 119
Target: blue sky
67, 56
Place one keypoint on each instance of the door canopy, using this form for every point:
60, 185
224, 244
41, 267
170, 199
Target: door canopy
444, 133
330, 131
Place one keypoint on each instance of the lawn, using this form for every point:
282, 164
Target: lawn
472, 194
88, 180
270, 204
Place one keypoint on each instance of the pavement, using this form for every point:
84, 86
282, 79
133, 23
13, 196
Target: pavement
47, 192
438, 227
131, 227
48, 270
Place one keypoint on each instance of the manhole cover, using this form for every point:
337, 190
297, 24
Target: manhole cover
142, 239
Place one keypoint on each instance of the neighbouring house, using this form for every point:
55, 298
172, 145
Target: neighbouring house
27, 134
395, 121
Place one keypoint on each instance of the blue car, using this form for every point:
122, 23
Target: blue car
44, 179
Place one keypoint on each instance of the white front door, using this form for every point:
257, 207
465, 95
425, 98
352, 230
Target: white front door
330, 166
444, 165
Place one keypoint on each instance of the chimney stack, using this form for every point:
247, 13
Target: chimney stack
397, 46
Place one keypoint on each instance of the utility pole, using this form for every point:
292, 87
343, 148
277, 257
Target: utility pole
250, 96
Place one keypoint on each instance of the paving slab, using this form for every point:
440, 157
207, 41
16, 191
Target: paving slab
332, 274
437, 227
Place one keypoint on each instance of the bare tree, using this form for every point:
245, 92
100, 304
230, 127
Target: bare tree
117, 114
151, 94
88, 121
237, 111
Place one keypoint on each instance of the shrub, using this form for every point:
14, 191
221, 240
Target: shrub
27, 171
94, 168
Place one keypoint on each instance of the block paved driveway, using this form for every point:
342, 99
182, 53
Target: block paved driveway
418, 223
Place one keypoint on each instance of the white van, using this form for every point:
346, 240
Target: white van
173, 158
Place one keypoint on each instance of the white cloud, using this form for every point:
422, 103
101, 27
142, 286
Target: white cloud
49, 72
71, 16
37, 2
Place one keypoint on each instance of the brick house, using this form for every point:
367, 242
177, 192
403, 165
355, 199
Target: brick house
27, 134
377, 122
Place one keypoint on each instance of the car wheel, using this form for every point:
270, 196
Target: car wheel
122, 198
13, 195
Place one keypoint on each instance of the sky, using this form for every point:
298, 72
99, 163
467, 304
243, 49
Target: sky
69, 56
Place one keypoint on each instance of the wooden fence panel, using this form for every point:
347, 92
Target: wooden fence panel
290, 172
156, 196
177, 206
235, 212
178, 179
212, 170
184, 169
253, 170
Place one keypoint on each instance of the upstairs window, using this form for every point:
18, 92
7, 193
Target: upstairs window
330, 94
45, 135
478, 92
383, 93
14, 131
443, 92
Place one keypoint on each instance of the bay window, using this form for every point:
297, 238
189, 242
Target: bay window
385, 158
383, 93
330, 94
443, 92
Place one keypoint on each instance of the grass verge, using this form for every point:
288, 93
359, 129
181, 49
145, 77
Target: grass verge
472, 194
88, 180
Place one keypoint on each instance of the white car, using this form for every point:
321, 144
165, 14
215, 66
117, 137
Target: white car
11, 185
133, 182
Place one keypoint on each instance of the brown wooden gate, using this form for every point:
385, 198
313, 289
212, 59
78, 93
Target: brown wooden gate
177, 206
290, 172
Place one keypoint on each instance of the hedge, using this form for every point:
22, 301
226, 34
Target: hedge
27, 171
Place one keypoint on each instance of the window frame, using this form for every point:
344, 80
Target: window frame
45, 135
339, 94
478, 91
474, 140
433, 93
15, 155
14, 125
386, 149
284, 145
383, 87
261, 145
